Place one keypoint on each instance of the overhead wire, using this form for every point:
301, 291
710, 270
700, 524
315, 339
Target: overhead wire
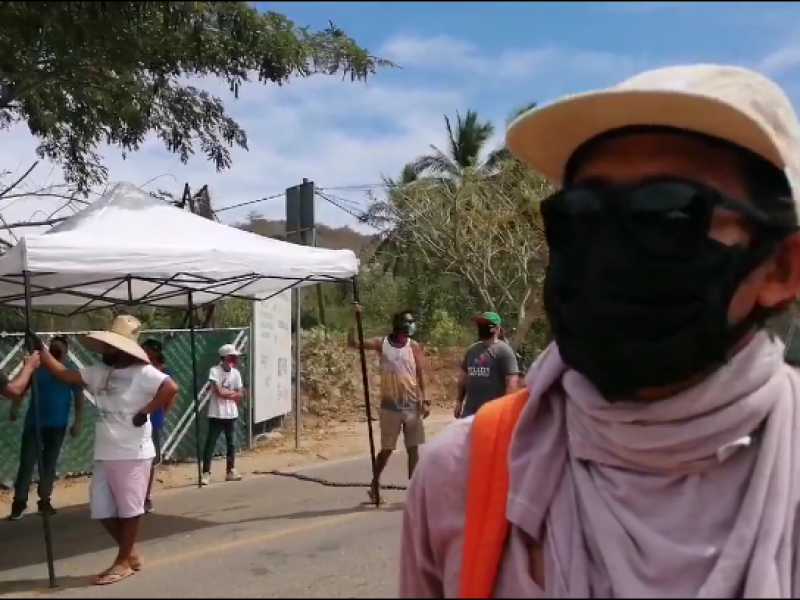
349, 206
356, 187
340, 203
250, 202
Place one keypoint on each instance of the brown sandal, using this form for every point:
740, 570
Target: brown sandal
114, 575
371, 496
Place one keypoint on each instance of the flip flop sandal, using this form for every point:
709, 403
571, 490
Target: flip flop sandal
371, 496
114, 575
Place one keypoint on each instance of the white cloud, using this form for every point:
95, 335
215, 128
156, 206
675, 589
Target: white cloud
335, 133
639, 8
443, 50
782, 60
445, 53
338, 134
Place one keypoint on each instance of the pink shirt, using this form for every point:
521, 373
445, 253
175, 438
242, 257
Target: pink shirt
642, 502
433, 526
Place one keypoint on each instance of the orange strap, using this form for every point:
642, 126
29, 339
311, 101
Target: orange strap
486, 527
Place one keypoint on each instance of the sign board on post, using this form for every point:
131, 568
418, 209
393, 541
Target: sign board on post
272, 357
299, 230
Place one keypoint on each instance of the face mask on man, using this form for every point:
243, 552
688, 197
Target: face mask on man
486, 331
111, 358
636, 292
407, 327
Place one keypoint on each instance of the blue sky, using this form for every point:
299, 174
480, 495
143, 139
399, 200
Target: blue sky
559, 47
487, 56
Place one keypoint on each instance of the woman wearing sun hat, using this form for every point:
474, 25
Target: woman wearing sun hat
126, 389
655, 451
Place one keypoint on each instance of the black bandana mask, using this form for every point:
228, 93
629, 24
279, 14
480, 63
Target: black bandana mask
110, 359
405, 327
486, 331
636, 291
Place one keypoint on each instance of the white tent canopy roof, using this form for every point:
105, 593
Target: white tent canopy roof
131, 247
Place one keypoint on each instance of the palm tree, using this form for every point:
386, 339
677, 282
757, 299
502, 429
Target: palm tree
388, 247
467, 140
503, 153
466, 143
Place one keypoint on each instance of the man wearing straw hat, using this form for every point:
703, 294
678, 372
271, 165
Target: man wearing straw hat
126, 389
654, 452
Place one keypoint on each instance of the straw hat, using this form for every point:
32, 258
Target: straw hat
730, 103
122, 335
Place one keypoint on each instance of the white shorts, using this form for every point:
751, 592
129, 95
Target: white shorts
119, 488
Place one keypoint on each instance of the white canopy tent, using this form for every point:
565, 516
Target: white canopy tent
131, 248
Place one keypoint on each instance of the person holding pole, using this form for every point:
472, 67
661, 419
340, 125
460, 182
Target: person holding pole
15, 389
403, 403
126, 389
54, 402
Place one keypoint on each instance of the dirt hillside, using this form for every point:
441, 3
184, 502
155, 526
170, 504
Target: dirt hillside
331, 384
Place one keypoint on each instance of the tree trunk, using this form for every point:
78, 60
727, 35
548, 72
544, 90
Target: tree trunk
527, 315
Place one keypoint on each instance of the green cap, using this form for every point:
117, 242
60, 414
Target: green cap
491, 317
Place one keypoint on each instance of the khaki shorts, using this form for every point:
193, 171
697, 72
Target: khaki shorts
409, 422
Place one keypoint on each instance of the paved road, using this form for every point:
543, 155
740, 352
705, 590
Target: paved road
264, 537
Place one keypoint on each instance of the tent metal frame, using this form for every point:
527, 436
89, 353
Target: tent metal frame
179, 285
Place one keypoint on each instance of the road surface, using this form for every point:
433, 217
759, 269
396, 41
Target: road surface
263, 537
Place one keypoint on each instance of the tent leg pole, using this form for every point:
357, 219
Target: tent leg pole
195, 390
296, 367
251, 410
48, 534
365, 381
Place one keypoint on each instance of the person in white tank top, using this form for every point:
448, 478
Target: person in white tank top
403, 403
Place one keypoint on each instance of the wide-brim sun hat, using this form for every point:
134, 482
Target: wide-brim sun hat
122, 335
733, 104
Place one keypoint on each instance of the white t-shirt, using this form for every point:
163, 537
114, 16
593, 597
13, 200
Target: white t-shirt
223, 408
119, 394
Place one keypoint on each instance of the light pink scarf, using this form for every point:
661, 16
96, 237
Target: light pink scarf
692, 496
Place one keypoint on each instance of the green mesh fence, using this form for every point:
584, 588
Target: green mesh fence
179, 437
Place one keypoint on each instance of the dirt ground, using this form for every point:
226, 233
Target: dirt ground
332, 390
318, 444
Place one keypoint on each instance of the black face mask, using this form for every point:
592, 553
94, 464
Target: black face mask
636, 292
408, 328
486, 331
111, 359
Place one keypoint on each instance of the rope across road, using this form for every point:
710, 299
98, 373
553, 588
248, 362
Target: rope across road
328, 482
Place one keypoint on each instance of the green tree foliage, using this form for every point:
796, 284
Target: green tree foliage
461, 227
80, 74
466, 143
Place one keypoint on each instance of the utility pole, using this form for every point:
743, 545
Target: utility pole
300, 229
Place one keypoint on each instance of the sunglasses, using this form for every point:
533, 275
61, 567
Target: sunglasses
665, 215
